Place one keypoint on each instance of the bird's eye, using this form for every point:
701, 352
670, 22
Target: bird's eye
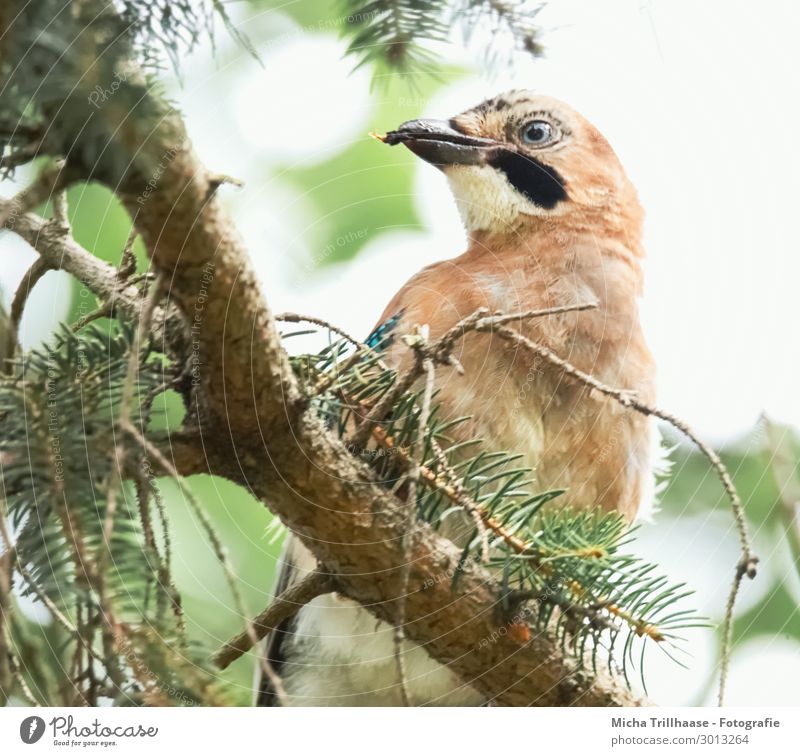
537, 133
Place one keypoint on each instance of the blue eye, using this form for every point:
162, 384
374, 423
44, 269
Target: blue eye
537, 133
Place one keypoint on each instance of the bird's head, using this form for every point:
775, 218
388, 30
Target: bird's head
518, 157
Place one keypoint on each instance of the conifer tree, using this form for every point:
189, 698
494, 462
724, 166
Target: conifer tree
84, 451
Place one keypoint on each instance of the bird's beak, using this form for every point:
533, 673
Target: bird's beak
440, 144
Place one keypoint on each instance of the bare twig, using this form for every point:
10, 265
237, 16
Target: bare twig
34, 273
361, 348
501, 319
49, 181
216, 180
127, 260
411, 515
104, 311
63, 252
125, 269
284, 606
293, 317
60, 224
29, 280
213, 538
747, 564
60, 217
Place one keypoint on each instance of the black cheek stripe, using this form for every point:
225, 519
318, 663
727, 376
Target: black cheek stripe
541, 184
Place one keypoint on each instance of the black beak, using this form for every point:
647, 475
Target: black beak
440, 144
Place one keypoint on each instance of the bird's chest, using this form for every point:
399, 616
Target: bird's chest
514, 401
573, 438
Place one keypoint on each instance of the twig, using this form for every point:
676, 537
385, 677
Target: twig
284, 606
747, 564
24, 688
441, 352
104, 311
500, 319
124, 420
628, 398
49, 181
56, 613
293, 317
274, 680
145, 488
19, 157
6, 567
216, 180
326, 381
444, 347
60, 223
727, 630
60, 218
216, 544
63, 252
411, 516
29, 280
127, 261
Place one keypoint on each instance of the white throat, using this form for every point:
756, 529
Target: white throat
485, 199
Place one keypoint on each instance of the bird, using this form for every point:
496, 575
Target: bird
551, 220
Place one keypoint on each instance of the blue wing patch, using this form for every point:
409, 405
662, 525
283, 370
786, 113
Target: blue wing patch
383, 336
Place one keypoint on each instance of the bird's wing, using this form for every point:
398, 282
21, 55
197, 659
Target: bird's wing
383, 335
295, 562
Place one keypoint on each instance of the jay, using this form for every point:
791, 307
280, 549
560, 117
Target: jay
551, 220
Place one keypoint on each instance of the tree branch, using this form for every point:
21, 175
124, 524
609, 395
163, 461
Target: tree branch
58, 250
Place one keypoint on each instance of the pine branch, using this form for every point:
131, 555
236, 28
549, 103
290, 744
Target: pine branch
567, 561
396, 34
